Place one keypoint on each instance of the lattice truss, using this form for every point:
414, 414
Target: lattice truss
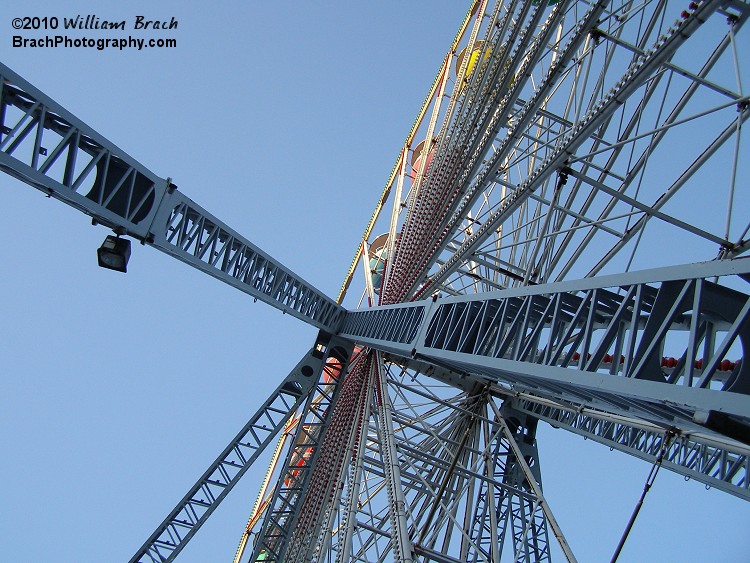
428, 472
581, 140
44, 145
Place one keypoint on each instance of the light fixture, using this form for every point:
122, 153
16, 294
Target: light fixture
114, 253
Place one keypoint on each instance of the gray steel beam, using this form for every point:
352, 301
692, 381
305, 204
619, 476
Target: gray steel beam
47, 147
561, 340
171, 536
724, 465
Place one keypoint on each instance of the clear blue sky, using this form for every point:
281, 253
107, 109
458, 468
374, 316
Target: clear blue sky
118, 390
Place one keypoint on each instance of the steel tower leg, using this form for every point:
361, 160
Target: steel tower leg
521, 516
402, 546
294, 484
69, 161
171, 536
528, 518
510, 505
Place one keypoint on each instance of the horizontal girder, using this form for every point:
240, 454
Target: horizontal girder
595, 342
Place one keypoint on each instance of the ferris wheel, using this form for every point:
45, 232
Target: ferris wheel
557, 143
561, 240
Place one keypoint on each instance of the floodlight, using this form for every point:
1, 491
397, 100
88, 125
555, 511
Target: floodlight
114, 253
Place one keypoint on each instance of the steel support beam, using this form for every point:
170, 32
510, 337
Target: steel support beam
721, 464
171, 536
595, 342
48, 148
529, 520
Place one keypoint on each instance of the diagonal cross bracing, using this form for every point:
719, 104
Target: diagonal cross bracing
641, 70
171, 536
616, 342
47, 147
722, 464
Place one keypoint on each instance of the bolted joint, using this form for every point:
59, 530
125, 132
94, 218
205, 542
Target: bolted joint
562, 176
170, 186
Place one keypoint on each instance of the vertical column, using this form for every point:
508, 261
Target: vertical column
402, 546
